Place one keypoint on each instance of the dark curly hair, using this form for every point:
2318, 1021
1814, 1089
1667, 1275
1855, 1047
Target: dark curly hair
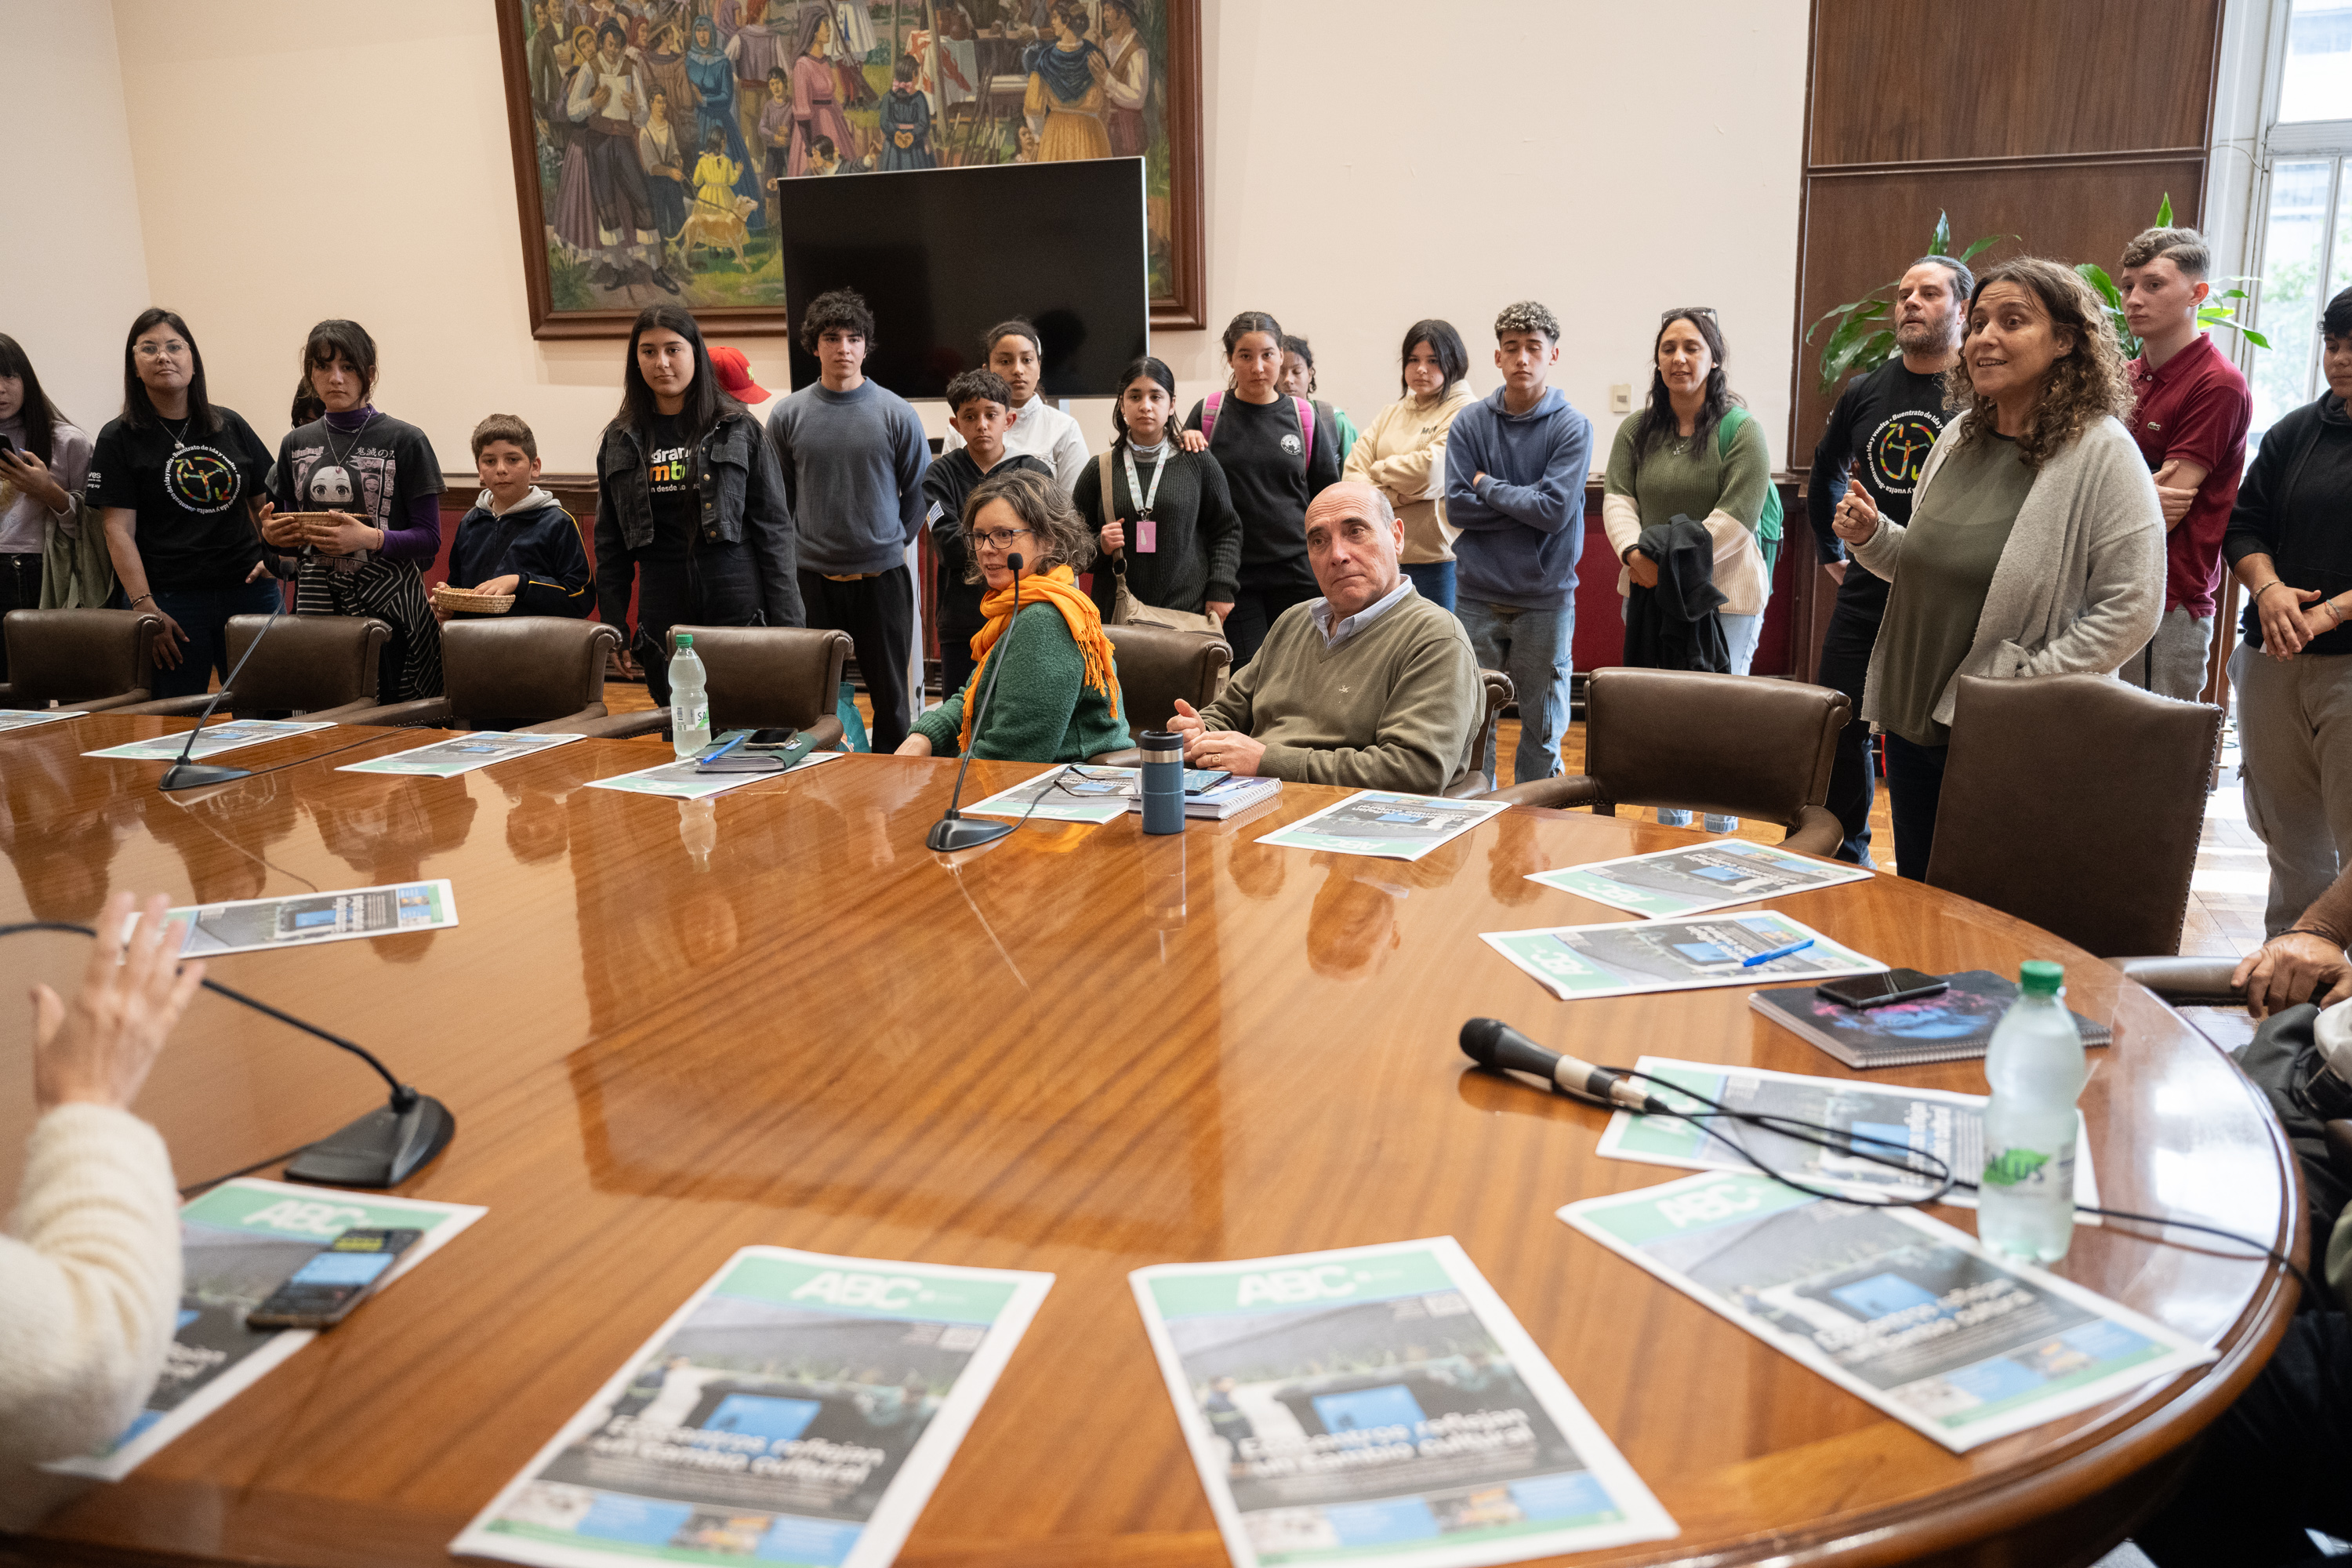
837, 310
2088, 382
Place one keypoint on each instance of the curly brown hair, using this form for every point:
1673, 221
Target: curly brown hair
2087, 383
1063, 537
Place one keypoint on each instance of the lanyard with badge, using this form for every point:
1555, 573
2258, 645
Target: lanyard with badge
1147, 528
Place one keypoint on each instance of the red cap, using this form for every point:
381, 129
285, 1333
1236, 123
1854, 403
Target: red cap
735, 376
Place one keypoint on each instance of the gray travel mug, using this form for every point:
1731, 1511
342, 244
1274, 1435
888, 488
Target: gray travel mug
1163, 782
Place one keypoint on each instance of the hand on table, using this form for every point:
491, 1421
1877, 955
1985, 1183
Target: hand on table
97, 1050
915, 745
2287, 969
1206, 748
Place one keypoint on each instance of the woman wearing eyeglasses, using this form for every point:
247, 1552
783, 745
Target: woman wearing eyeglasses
1057, 697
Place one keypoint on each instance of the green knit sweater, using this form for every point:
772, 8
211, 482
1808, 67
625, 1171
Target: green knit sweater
1042, 710
1391, 708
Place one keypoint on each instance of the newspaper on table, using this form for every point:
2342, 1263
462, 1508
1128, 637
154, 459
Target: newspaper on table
301, 919
1066, 794
679, 780
447, 759
239, 1243
1947, 1125
1902, 1311
212, 740
1695, 878
1633, 957
1381, 1405
798, 1409
25, 718
1389, 825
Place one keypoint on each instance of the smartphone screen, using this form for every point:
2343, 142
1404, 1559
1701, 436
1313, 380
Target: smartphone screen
1861, 991
1200, 781
334, 1280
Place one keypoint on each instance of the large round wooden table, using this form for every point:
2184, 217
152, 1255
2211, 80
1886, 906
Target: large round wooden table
668, 1031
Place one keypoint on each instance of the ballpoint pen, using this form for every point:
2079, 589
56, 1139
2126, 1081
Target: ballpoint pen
1750, 963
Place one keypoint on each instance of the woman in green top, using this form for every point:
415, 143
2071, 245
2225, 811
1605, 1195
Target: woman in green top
2036, 544
1057, 697
1695, 456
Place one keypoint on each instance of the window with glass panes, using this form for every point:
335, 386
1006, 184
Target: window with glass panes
2307, 225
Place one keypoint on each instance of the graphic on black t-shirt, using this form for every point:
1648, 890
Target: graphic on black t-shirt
1292, 445
201, 480
666, 468
331, 488
1897, 450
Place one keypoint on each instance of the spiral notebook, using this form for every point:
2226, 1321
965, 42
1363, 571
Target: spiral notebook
1952, 1026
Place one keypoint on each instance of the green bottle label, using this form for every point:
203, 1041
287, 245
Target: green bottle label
2014, 1166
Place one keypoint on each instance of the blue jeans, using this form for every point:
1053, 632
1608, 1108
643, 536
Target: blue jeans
1915, 786
1534, 648
1433, 580
203, 614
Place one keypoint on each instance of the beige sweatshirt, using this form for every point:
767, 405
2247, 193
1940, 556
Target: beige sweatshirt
1391, 708
1403, 454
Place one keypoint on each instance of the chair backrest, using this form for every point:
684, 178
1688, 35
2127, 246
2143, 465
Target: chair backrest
2076, 801
769, 678
307, 663
1157, 665
79, 656
524, 670
1500, 693
1733, 745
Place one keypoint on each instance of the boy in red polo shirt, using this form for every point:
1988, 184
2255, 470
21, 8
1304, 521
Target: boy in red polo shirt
2189, 417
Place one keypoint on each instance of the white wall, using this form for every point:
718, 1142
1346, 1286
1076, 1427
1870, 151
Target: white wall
73, 269
1366, 165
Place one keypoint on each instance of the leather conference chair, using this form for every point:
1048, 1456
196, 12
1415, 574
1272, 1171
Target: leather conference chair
1733, 745
1471, 780
1156, 665
544, 673
320, 666
2075, 802
95, 660
761, 678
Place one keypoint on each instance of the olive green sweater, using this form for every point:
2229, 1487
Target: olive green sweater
1391, 708
1042, 710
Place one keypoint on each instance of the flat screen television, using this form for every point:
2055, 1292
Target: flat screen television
943, 255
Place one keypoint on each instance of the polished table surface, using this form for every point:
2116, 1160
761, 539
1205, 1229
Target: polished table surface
670, 1030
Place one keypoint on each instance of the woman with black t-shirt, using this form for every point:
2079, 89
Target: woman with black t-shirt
1163, 519
378, 479
690, 508
1274, 461
177, 480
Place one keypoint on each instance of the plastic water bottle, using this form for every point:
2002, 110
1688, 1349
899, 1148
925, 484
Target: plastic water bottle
2025, 1206
689, 699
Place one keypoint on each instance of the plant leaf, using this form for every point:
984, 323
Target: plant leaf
1942, 244
1876, 307
1991, 239
2253, 336
2096, 277
2164, 212
1871, 350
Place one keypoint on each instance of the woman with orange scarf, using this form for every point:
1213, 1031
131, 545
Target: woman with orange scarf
1056, 697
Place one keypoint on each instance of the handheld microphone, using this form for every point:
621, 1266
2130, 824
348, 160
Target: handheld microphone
953, 832
1491, 1043
185, 774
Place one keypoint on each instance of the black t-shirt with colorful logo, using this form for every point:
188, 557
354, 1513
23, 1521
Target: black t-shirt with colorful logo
189, 489
669, 478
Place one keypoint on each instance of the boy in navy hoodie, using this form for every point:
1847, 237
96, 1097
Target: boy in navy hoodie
1515, 467
518, 539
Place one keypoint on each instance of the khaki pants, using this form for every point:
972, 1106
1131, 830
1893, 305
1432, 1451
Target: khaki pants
2294, 734
2173, 663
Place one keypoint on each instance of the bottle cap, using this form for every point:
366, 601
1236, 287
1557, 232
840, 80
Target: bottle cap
685, 640
2040, 977
1158, 741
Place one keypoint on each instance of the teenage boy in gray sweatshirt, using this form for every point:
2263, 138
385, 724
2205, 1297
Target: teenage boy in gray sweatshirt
1515, 467
853, 455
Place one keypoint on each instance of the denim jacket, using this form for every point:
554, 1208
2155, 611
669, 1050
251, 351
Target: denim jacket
742, 489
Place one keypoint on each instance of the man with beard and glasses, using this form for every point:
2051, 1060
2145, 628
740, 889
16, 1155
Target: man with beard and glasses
1880, 431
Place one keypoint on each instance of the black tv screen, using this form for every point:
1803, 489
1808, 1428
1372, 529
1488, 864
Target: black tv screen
943, 255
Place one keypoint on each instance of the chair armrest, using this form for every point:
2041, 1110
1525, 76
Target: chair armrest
2186, 981
425, 710
1816, 831
2339, 1147
341, 713
570, 724
1130, 758
626, 726
1569, 789
173, 707
1471, 786
108, 704
828, 732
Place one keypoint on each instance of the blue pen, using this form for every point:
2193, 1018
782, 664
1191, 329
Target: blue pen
741, 736
1775, 953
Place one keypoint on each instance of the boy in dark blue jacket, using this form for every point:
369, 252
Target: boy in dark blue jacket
518, 539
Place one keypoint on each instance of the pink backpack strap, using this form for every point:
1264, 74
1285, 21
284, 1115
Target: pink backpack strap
1209, 416
1307, 428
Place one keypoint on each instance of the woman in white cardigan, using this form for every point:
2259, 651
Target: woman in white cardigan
2035, 545
90, 1274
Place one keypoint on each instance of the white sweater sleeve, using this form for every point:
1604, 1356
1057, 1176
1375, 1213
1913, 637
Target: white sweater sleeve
89, 1282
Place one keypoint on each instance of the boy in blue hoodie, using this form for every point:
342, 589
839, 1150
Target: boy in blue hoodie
518, 539
1515, 467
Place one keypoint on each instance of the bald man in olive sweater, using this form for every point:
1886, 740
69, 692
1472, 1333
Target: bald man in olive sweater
1369, 687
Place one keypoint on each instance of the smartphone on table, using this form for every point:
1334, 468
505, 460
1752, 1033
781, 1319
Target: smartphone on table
1865, 991
338, 1277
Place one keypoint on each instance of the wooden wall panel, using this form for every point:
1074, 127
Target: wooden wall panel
2010, 79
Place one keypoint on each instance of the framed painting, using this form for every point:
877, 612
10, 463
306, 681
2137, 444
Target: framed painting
654, 139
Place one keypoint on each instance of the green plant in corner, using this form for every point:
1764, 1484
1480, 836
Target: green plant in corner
1862, 339
2212, 313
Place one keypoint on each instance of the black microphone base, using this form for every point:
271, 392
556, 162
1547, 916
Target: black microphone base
194, 775
382, 1149
951, 833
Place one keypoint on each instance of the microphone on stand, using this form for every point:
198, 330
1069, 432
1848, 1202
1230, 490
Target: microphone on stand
1491, 1043
185, 774
953, 832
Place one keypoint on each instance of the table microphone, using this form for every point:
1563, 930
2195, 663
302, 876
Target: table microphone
1491, 1043
185, 774
953, 832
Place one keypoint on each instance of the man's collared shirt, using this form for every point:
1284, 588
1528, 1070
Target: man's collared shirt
2194, 405
1335, 635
